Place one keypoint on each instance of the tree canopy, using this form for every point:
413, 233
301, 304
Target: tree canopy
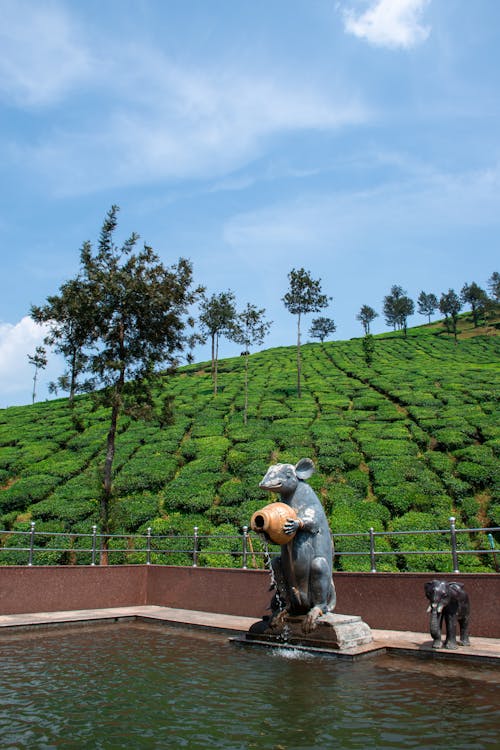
249, 329
427, 304
366, 316
304, 296
397, 308
321, 328
216, 318
132, 324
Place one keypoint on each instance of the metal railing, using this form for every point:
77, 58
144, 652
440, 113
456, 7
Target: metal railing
147, 548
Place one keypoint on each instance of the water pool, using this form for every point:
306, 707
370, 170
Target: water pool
136, 685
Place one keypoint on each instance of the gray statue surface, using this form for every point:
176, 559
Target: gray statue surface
303, 570
448, 601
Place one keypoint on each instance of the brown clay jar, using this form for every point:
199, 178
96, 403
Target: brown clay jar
271, 520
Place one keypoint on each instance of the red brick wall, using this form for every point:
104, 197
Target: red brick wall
393, 601
51, 588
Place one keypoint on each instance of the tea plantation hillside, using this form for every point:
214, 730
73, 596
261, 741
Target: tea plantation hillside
400, 445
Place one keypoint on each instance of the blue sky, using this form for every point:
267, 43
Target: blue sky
357, 138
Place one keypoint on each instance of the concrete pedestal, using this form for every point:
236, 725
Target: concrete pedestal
342, 632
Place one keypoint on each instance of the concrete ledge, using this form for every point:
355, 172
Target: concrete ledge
481, 650
391, 601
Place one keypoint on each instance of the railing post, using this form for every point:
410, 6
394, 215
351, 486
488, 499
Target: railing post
148, 546
32, 543
372, 551
94, 542
195, 547
453, 535
245, 539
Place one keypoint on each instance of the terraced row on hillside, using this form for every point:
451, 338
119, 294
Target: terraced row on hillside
400, 445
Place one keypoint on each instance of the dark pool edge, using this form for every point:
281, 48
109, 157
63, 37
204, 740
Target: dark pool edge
416, 645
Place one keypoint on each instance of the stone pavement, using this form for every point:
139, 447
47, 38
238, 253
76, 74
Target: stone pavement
485, 650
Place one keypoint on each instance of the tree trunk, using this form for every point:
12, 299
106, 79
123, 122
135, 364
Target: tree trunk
213, 356
216, 362
299, 392
246, 390
33, 395
72, 385
107, 484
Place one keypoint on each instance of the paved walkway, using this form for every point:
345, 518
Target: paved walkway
485, 650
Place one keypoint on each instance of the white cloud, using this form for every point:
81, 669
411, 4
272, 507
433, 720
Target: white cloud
16, 374
184, 123
155, 118
422, 203
42, 56
389, 23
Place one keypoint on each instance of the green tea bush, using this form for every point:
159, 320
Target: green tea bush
439, 462
64, 464
340, 494
172, 538
236, 460
417, 521
25, 491
355, 517
230, 492
131, 512
470, 508
476, 475
226, 514
358, 479
9, 458
373, 449
143, 473
269, 409
68, 512
450, 439
201, 466
214, 548
351, 459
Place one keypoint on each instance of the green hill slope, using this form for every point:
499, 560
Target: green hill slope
400, 445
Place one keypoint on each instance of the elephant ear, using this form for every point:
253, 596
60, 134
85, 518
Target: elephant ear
455, 585
428, 588
305, 468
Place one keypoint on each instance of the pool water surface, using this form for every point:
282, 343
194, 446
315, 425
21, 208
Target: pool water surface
140, 685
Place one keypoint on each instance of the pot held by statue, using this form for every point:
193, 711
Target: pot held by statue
270, 521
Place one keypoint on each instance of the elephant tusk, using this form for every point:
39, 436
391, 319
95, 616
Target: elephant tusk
429, 608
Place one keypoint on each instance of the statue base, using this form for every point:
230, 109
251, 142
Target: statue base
340, 632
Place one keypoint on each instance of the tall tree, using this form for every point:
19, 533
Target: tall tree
216, 318
249, 329
397, 308
321, 328
427, 304
69, 316
137, 312
450, 305
366, 316
472, 294
39, 362
494, 286
304, 296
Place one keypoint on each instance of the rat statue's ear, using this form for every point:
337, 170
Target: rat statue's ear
305, 468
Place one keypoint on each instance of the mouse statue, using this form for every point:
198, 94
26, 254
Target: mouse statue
303, 571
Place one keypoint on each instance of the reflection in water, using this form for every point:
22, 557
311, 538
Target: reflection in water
149, 686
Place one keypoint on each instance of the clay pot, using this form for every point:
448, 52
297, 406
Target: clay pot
271, 519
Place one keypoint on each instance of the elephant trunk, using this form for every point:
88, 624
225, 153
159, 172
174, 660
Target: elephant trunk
435, 625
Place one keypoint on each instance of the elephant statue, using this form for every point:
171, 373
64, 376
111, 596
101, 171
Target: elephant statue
450, 601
